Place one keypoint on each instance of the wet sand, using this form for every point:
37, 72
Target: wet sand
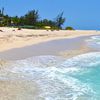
62, 47
17, 90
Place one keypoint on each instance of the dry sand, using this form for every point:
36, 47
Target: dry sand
12, 38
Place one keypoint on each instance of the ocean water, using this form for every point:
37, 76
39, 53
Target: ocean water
94, 42
77, 78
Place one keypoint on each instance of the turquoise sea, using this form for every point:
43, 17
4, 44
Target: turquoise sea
76, 78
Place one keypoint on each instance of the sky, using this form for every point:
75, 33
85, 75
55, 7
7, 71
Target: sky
80, 14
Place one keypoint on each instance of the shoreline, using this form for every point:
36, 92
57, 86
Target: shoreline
10, 39
65, 48
27, 43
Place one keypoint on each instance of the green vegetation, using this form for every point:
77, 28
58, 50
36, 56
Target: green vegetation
31, 20
69, 28
60, 21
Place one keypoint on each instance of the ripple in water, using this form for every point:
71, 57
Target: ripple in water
59, 79
94, 42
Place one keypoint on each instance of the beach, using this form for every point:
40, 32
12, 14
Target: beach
13, 39
48, 65
49, 50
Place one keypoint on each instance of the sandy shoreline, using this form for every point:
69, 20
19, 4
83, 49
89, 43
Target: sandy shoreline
63, 47
12, 38
21, 44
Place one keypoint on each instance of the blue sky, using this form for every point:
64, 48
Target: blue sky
80, 14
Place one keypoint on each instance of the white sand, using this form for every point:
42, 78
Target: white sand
10, 39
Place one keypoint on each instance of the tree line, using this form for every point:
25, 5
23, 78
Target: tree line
31, 20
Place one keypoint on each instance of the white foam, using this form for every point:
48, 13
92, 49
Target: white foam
54, 75
84, 60
94, 41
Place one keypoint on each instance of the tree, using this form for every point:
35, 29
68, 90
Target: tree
60, 20
31, 17
22, 21
2, 12
45, 22
16, 20
7, 20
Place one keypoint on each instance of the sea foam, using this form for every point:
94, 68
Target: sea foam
58, 78
94, 42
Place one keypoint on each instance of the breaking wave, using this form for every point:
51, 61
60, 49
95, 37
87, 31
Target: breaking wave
76, 78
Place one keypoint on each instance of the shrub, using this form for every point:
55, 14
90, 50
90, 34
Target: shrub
69, 28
